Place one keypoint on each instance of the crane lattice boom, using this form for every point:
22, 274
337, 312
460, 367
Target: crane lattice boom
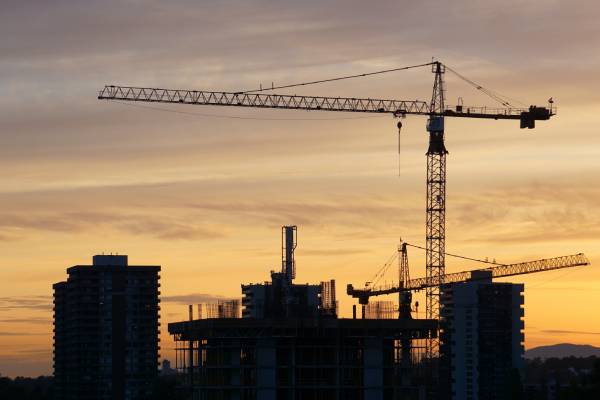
312, 103
501, 271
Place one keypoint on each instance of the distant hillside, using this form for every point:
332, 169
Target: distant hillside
563, 350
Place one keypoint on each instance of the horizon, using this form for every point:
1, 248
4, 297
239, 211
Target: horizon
203, 191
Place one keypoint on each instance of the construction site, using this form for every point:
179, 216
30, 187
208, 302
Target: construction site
285, 340
290, 344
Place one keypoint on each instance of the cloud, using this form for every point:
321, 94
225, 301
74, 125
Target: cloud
568, 332
38, 303
32, 320
514, 213
529, 213
71, 50
35, 351
168, 230
21, 333
192, 298
557, 289
141, 30
356, 212
7, 238
331, 252
66, 222
157, 226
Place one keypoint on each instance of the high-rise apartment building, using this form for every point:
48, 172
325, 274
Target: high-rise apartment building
482, 338
106, 330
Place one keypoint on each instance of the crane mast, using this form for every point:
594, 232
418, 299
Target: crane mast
435, 234
404, 296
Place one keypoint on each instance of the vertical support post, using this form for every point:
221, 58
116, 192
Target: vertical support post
288, 265
289, 240
404, 297
191, 351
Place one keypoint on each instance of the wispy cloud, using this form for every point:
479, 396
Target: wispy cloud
34, 351
331, 252
557, 289
530, 213
175, 229
31, 320
521, 213
192, 298
21, 333
37, 303
568, 332
158, 226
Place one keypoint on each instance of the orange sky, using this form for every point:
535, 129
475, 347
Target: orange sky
204, 197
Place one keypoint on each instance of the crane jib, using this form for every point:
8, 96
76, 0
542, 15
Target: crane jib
500, 271
316, 103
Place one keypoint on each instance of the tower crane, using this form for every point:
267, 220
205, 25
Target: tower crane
406, 285
435, 109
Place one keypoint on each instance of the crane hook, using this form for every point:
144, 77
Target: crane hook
399, 130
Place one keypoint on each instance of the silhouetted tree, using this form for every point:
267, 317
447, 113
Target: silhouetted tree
26, 388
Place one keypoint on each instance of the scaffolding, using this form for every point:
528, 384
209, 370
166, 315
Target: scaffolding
381, 310
220, 309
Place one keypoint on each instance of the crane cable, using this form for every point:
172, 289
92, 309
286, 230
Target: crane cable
500, 98
340, 78
379, 274
463, 257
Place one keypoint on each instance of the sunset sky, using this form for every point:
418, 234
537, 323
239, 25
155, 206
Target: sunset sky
203, 194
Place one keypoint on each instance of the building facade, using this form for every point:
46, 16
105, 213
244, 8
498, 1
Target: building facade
302, 358
482, 338
106, 330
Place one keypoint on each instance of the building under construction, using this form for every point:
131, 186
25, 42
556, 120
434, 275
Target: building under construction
290, 344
